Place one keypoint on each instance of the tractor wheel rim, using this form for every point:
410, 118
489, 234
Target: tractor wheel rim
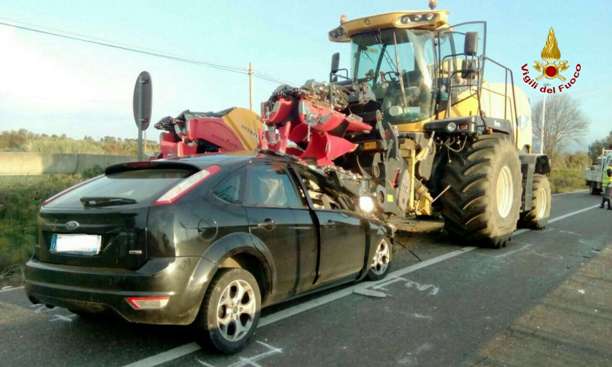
505, 192
541, 202
236, 310
381, 259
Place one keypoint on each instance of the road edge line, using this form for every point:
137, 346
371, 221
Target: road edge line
570, 192
561, 217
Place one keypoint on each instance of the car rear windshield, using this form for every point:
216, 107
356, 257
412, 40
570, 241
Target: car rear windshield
141, 186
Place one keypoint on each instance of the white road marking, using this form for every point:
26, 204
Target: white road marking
526, 246
561, 217
571, 233
423, 287
9, 289
166, 356
370, 293
381, 285
571, 192
421, 316
189, 348
65, 318
249, 361
252, 361
309, 305
204, 363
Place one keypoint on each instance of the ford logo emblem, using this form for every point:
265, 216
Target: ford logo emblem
72, 225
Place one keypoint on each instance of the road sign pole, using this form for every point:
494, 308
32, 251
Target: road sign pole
140, 150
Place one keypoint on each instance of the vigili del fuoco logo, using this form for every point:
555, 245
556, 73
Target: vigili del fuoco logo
550, 69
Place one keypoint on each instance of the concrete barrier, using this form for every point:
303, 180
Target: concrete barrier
25, 164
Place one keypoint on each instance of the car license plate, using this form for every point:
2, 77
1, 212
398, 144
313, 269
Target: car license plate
82, 244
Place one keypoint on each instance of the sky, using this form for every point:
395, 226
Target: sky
57, 86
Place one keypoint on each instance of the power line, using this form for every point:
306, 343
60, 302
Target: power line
142, 51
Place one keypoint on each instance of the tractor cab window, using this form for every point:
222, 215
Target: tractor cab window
399, 66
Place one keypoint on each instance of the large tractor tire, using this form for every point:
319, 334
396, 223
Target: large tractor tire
482, 204
541, 199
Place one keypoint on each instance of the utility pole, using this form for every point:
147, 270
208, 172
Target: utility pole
250, 73
542, 125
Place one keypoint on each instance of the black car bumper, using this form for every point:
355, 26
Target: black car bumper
183, 279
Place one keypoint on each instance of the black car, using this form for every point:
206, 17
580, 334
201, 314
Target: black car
207, 240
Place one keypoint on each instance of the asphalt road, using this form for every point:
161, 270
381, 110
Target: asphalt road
441, 306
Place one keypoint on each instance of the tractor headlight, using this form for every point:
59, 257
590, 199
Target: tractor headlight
337, 33
366, 204
405, 19
451, 127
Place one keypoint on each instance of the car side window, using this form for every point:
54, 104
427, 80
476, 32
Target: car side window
324, 194
229, 189
271, 186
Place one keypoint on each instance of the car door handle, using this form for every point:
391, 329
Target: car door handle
268, 224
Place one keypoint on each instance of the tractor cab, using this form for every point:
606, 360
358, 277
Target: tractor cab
398, 65
417, 66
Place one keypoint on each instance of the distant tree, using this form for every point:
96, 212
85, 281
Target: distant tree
596, 146
565, 123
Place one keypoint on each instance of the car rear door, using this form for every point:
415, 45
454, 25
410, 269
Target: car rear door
342, 234
278, 216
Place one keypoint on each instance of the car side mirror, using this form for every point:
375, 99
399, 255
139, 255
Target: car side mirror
335, 62
335, 66
470, 47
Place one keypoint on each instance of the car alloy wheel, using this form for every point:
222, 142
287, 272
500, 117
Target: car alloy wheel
381, 259
230, 311
236, 310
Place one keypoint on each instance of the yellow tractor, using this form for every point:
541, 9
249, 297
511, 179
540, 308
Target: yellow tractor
413, 124
463, 145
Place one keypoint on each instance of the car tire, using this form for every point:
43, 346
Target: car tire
230, 311
380, 263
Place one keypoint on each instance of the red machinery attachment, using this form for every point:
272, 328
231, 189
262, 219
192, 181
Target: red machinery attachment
192, 133
301, 123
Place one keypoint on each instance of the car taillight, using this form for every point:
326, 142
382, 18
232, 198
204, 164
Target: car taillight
47, 201
184, 187
148, 303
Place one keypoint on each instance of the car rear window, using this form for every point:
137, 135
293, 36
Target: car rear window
142, 185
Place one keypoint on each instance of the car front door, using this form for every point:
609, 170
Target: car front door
342, 235
278, 216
